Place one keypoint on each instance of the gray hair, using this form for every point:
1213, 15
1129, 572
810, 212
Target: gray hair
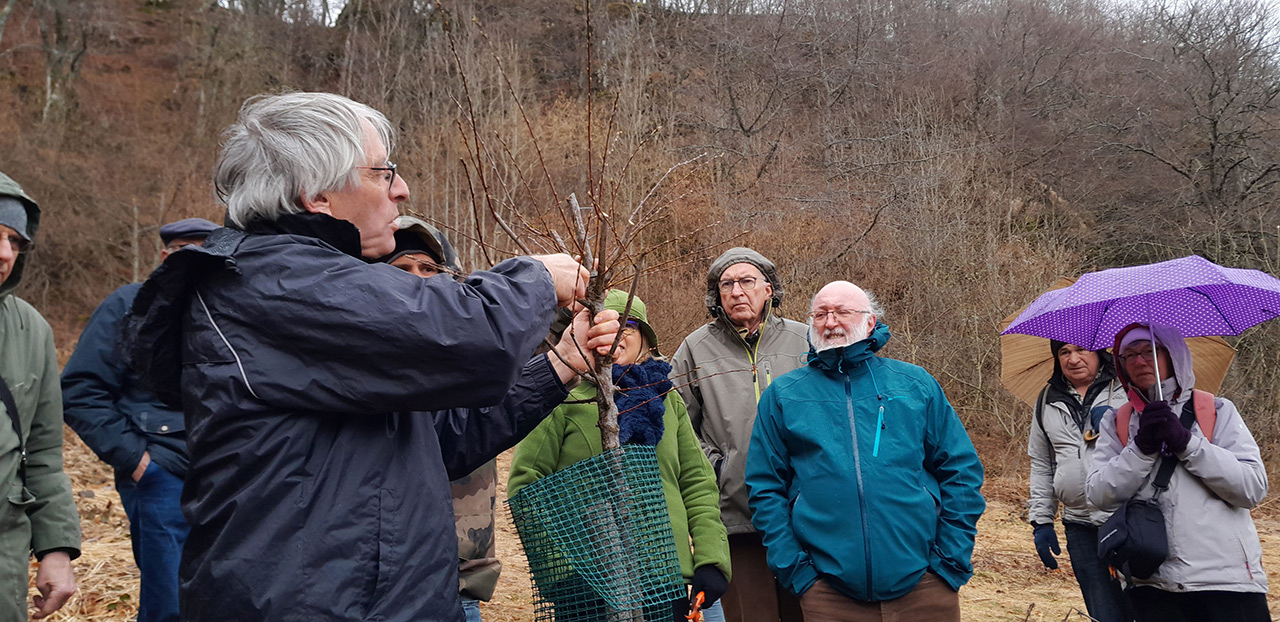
290, 146
872, 302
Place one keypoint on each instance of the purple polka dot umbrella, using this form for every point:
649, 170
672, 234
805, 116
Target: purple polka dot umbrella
1192, 293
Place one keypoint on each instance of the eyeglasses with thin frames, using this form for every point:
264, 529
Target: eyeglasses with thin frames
841, 314
1147, 354
16, 242
390, 169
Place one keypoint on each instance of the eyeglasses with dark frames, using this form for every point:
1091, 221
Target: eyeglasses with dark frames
390, 169
1147, 354
747, 284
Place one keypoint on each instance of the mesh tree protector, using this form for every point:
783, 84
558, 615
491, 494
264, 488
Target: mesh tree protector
598, 538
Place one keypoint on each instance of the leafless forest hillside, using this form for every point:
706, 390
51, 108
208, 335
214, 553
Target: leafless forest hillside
954, 156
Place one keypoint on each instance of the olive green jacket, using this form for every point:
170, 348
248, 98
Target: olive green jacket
29, 366
721, 376
570, 434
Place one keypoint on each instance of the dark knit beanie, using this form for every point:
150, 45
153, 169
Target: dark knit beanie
13, 214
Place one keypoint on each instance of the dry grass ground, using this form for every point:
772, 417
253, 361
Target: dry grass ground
1009, 583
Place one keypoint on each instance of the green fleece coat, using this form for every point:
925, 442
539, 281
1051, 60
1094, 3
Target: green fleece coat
570, 435
42, 517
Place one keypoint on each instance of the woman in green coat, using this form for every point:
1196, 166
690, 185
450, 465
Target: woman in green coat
570, 434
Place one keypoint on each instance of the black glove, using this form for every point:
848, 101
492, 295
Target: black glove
1176, 435
711, 582
1046, 540
1158, 426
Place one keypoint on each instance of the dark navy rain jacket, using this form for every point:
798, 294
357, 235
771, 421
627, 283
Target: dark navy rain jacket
315, 492
104, 403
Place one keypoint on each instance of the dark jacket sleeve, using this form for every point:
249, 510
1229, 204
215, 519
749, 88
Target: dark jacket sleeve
93, 383
359, 338
471, 437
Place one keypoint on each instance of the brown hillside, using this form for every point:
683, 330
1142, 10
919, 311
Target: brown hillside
953, 157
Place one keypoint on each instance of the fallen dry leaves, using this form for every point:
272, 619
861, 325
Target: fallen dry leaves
1009, 582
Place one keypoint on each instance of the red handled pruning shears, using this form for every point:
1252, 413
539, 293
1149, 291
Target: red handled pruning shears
695, 614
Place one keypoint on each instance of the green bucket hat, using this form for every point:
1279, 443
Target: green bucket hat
616, 300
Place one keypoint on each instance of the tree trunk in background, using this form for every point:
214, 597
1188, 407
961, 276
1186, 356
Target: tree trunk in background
4, 16
64, 37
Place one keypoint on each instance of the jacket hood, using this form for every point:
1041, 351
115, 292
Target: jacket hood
9, 187
152, 342
1184, 377
736, 256
153, 339
845, 358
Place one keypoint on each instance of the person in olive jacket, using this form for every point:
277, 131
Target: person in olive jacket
40, 517
141, 438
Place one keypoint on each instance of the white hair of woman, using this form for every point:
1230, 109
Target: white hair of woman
287, 147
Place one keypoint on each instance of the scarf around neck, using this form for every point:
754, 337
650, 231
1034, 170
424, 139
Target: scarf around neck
640, 397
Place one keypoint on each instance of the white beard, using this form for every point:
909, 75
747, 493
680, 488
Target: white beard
836, 337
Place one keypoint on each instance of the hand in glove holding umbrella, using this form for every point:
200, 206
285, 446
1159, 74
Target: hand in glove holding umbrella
1159, 428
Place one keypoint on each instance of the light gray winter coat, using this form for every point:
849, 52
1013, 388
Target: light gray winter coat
1060, 455
1213, 544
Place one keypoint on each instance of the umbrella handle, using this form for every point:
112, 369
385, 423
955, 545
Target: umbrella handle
1155, 357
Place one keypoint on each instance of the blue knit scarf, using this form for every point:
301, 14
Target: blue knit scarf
640, 397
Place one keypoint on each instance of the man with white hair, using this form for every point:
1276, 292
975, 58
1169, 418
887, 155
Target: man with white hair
329, 400
861, 476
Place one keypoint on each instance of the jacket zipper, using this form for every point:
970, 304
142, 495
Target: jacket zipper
857, 467
751, 356
875, 449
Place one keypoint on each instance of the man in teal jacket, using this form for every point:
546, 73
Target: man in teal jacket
862, 478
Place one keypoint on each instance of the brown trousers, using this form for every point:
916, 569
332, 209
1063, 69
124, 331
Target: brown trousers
753, 594
932, 600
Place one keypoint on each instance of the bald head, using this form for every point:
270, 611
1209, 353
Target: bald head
841, 293
841, 314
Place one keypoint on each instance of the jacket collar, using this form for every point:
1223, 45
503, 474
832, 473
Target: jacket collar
768, 323
339, 234
844, 359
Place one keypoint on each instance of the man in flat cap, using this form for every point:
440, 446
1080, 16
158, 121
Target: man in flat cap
40, 517
720, 370
140, 437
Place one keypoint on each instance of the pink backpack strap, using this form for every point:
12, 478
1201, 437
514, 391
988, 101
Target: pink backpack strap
1206, 413
1122, 422
1206, 416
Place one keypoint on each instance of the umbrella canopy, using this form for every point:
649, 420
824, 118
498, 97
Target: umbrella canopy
1026, 362
1192, 293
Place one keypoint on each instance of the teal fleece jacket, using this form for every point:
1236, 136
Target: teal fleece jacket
861, 473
